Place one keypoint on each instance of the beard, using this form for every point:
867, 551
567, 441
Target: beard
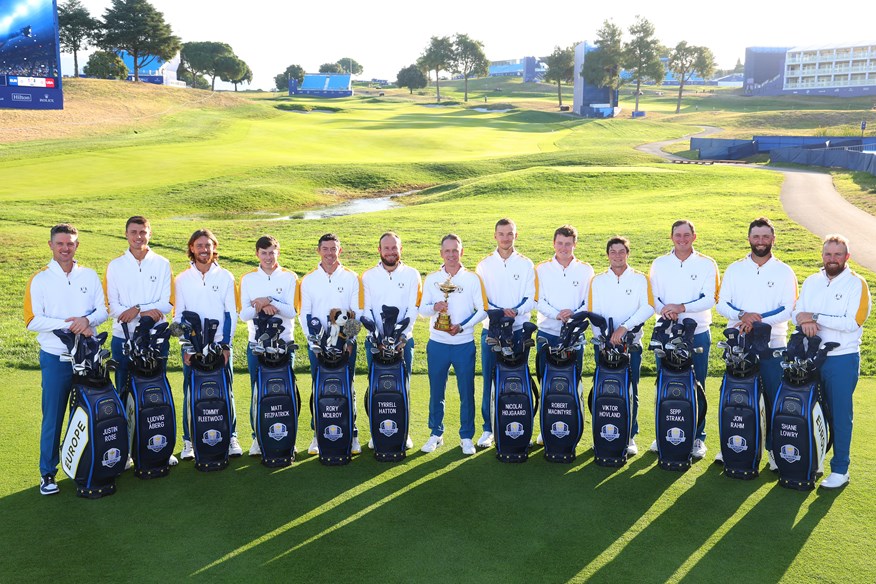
761, 253
389, 261
833, 270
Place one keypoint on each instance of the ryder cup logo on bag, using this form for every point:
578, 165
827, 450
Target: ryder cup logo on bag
388, 428
278, 431
212, 437
157, 443
790, 453
560, 429
514, 430
610, 432
111, 457
333, 433
675, 436
737, 444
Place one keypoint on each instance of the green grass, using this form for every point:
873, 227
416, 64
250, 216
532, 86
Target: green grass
442, 515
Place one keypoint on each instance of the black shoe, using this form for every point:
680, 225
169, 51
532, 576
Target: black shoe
48, 486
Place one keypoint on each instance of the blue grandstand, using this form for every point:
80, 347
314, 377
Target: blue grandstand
156, 71
323, 85
530, 68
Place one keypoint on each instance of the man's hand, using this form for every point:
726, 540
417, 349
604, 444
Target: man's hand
129, 315
79, 325
153, 313
617, 337
807, 324
226, 354
511, 312
565, 315
187, 359
260, 304
672, 311
440, 306
455, 330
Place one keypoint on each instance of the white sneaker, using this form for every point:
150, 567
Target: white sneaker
172, 461
409, 443
772, 460
632, 449
719, 458
468, 446
539, 439
234, 448
485, 441
255, 449
356, 448
129, 464
653, 447
48, 486
699, 449
314, 447
188, 453
432, 443
835, 480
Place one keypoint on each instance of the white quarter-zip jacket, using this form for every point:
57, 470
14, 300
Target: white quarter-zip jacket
52, 296
559, 289
626, 299
842, 306
693, 282
510, 283
212, 295
467, 306
280, 286
401, 288
760, 289
319, 293
129, 282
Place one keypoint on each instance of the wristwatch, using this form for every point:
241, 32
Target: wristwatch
137, 306
814, 317
741, 313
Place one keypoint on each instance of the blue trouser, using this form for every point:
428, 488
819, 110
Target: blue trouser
187, 375
123, 363
252, 365
839, 376
771, 376
488, 362
701, 369
551, 340
635, 372
439, 358
57, 382
312, 357
408, 355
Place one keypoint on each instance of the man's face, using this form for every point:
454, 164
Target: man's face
617, 256
564, 247
834, 256
761, 241
329, 252
683, 238
390, 251
63, 246
203, 249
451, 252
268, 257
505, 236
138, 236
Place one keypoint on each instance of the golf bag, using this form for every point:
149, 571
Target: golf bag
800, 423
334, 407
514, 397
95, 447
611, 399
741, 417
149, 401
210, 404
681, 401
276, 401
387, 398
562, 411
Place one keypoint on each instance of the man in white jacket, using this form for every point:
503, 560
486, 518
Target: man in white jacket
63, 295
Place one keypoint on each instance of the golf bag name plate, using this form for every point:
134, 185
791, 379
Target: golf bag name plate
800, 435
151, 424
562, 413
611, 408
513, 411
95, 447
741, 425
388, 410
334, 413
276, 408
677, 418
210, 418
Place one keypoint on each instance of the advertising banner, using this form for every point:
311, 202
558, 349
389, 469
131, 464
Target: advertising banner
30, 73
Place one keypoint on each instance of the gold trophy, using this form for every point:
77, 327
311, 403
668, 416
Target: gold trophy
442, 323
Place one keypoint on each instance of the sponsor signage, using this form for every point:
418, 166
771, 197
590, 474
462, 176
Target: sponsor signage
30, 72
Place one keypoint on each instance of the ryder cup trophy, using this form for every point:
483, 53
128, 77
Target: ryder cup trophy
442, 323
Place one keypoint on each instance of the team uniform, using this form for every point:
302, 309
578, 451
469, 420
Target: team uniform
769, 290
401, 288
212, 295
466, 308
841, 305
560, 289
510, 284
628, 300
50, 298
695, 283
147, 283
280, 286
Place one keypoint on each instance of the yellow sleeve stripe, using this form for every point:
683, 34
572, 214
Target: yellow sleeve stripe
28, 301
361, 293
106, 299
419, 291
298, 295
483, 292
650, 291
864, 304
172, 292
237, 296
590, 293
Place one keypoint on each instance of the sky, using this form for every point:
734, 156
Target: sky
387, 35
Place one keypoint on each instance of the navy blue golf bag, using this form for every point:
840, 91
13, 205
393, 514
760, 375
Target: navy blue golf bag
611, 399
741, 414
387, 398
149, 401
514, 400
681, 401
800, 423
562, 411
276, 401
95, 447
